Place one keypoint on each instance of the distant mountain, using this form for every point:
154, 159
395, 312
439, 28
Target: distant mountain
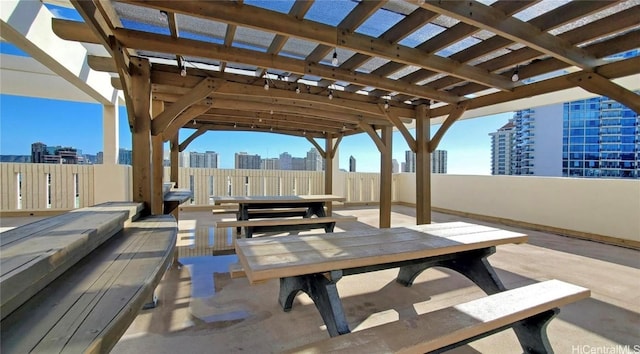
15, 158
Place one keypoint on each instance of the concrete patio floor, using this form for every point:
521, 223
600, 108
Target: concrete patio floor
203, 310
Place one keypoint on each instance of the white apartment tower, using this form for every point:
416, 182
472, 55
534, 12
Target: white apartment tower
439, 161
501, 147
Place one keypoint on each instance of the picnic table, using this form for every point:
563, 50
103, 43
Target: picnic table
274, 213
276, 206
315, 263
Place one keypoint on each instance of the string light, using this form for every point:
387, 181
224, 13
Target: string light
164, 16
235, 125
271, 112
515, 77
334, 60
183, 67
194, 122
297, 90
330, 94
386, 104
266, 85
344, 127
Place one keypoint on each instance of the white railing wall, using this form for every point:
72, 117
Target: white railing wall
42, 186
608, 207
207, 182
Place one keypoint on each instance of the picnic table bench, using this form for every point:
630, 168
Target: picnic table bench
76, 281
315, 263
252, 226
172, 200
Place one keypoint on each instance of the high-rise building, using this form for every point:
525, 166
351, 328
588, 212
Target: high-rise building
38, 150
298, 163
208, 159
270, 164
285, 161
41, 153
313, 161
352, 164
410, 161
439, 161
601, 138
501, 146
125, 157
394, 166
246, 161
595, 137
100, 157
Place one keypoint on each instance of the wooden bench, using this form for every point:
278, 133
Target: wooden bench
98, 274
285, 224
173, 198
530, 308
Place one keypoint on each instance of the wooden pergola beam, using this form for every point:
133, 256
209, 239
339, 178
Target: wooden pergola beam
401, 127
595, 83
196, 94
161, 43
454, 115
374, 136
490, 19
104, 64
183, 145
317, 146
610, 71
187, 115
270, 21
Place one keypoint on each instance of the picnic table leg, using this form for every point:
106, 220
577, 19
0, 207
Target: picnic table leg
532, 332
472, 264
243, 214
323, 292
316, 209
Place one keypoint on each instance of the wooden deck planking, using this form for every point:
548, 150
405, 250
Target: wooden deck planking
90, 308
444, 327
296, 255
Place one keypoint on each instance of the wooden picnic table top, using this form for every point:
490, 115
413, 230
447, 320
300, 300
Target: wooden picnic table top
286, 256
277, 199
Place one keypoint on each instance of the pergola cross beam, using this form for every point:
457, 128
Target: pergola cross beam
595, 83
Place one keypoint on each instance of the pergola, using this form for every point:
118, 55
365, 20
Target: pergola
329, 69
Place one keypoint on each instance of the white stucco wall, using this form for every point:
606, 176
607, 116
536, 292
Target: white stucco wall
608, 207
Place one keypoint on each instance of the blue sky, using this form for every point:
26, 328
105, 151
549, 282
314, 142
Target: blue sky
25, 120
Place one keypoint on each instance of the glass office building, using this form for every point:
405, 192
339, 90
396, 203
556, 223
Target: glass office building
601, 138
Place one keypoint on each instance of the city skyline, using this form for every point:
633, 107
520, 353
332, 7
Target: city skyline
24, 120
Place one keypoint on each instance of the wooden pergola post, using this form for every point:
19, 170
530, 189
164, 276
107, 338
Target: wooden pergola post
386, 168
175, 146
141, 133
423, 166
328, 170
157, 157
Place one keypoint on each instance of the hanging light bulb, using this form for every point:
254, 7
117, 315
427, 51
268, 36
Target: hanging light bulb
344, 127
330, 94
183, 66
271, 129
235, 125
259, 120
194, 122
297, 90
304, 132
515, 77
334, 61
386, 104
266, 85
271, 112
164, 16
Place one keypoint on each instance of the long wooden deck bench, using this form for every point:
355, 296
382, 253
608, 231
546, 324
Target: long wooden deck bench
531, 307
90, 295
35, 254
285, 224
